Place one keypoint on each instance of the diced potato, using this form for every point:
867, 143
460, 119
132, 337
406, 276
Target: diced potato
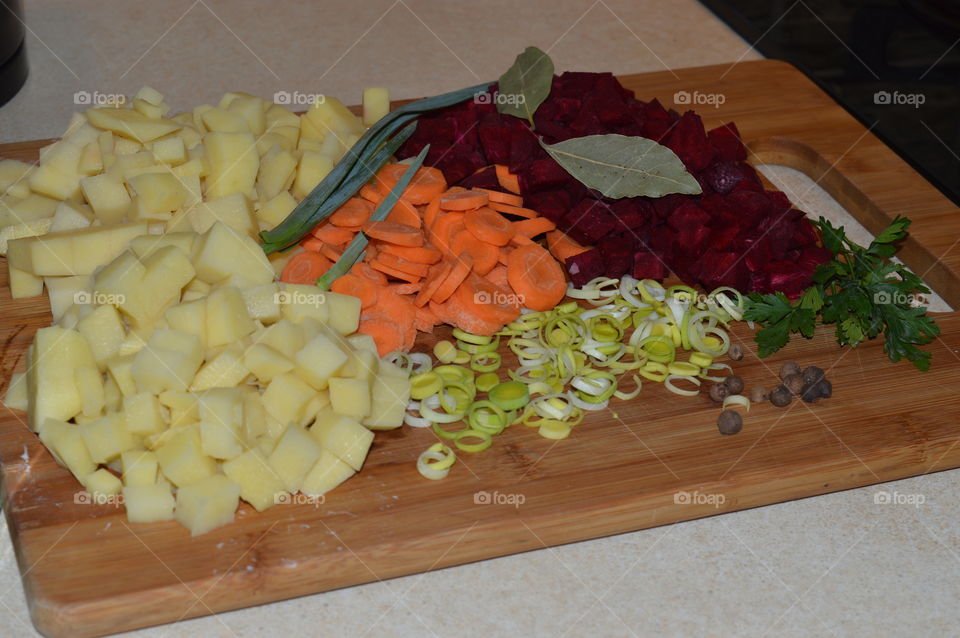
285, 336
91, 160
227, 318
71, 216
390, 394
286, 397
299, 301
190, 317
131, 124
221, 422
376, 104
222, 251
225, 370
265, 363
67, 445
294, 455
343, 312
234, 210
145, 245
13, 176
184, 407
106, 437
313, 167
344, 437
182, 459
30, 208
318, 360
148, 503
22, 283
102, 482
278, 115
259, 483
63, 292
233, 163
274, 211
107, 196
350, 397
139, 467
158, 192
75, 252
361, 364
89, 382
249, 107
327, 473
16, 395
51, 388
277, 170
160, 366
207, 504
254, 416
142, 413
330, 114
31, 228
262, 302
223, 121
168, 269
120, 369
170, 151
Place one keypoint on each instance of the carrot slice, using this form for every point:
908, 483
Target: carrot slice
445, 229
332, 235
418, 254
438, 272
504, 256
427, 182
425, 319
405, 213
520, 240
459, 271
360, 287
394, 233
507, 179
562, 246
386, 333
362, 269
411, 267
330, 252
430, 214
312, 244
498, 277
536, 277
478, 307
354, 212
371, 194
518, 211
502, 198
390, 271
305, 268
534, 227
490, 226
484, 255
463, 200
406, 289
400, 310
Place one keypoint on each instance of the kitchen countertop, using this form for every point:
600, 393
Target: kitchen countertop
844, 564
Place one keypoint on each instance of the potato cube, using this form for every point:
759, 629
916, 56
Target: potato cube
103, 329
32, 228
107, 196
168, 269
169, 362
102, 482
225, 370
131, 124
145, 245
259, 483
275, 210
285, 337
327, 473
277, 170
189, 317
142, 413
51, 387
376, 104
227, 318
207, 504
89, 382
16, 395
70, 216
294, 455
74, 252
254, 416
343, 312
222, 251
22, 283
148, 503
343, 436
68, 447
233, 162
63, 292
120, 369
265, 363
234, 210
221, 422
350, 397
318, 360
182, 459
107, 437
286, 397
139, 467
263, 302
170, 151
300, 301
313, 167
389, 396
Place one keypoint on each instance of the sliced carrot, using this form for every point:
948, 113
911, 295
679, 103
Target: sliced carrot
479, 307
390, 271
360, 287
484, 255
533, 227
371, 194
330, 252
520, 240
406, 289
536, 277
313, 244
463, 200
498, 276
399, 309
305, 268
427, 182
438, 272
332, 235
405, 213
504, 257
354, 212
459, 271
518, 211
431, 212
410, 267
362, 269
418, 254
562, 246
507, 179
426, 319
502, 198
488, 225
386, 333
394, 233
445, 229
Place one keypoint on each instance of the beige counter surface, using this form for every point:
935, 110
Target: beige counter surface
845, 564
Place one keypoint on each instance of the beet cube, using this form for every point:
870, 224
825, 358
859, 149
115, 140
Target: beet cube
585, 266
485, 178
588, 221
647, 265
543, 174
726, 141
552, 204
689, 141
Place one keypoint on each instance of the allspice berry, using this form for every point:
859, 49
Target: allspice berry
735, 352
781, 396
812, 374
719, 392
734, 384
788, 368
794, 383
729, 422
759, 394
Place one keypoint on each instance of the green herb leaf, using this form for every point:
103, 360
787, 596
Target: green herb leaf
620, 166
526, 84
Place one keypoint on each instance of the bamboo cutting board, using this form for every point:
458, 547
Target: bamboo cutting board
659, 460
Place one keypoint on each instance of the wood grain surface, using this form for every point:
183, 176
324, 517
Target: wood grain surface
659, 459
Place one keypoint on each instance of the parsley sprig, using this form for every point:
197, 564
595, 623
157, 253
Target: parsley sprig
860, 291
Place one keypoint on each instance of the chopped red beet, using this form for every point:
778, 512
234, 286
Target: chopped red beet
585, 266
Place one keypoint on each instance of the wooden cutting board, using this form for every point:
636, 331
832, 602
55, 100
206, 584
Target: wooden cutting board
659, 460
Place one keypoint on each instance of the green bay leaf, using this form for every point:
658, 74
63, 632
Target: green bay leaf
526, 84
621, 166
